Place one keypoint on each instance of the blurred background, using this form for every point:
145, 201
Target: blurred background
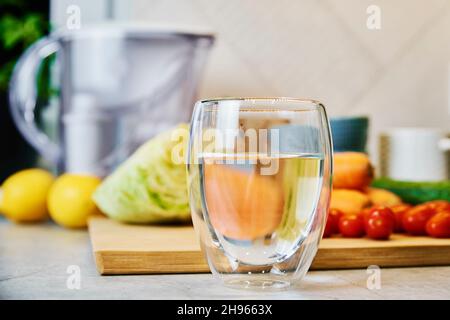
21, 24
397, 74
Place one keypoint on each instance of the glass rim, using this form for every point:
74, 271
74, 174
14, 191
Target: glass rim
308, 103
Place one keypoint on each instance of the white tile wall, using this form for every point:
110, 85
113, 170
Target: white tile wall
322, 49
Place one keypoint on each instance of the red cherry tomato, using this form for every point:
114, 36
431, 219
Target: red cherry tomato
399, 211
439, 225
415, 220
365, 213
382, 212
328, 231
379, 222
438, 205
379, 227
332, 225
336, 214
351, 226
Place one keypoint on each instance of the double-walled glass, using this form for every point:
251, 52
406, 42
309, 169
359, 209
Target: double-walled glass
259, 180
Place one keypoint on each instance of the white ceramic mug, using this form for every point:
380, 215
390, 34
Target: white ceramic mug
415, 154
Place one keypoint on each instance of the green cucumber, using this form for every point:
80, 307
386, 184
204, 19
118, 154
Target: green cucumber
416, 192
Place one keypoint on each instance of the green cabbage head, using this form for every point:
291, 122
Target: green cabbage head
149, 187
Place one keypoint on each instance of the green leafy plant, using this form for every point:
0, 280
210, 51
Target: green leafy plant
21, 24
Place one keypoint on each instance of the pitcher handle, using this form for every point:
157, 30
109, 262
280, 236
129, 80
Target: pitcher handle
23, 97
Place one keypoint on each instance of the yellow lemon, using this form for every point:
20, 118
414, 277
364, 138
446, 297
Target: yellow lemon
69, 200
24, 195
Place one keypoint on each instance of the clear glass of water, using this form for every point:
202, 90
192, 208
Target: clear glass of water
259, 180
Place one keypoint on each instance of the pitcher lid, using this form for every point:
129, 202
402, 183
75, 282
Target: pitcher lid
135, 30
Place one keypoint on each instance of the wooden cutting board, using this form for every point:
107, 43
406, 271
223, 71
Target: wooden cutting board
132, 249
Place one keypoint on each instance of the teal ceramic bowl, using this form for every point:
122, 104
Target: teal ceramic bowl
350, 133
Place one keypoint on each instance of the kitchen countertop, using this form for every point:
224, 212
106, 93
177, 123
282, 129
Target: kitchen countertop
34, 260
